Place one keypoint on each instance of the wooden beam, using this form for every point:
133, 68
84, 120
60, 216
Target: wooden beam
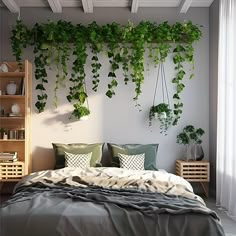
87, 6
55, 6
12, 6
184, 5
135, 5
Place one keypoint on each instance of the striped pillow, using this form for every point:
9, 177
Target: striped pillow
77, 160
132, 162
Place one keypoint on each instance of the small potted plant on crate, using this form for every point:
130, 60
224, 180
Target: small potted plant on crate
191, 138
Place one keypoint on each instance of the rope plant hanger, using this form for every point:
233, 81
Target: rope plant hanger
162, 111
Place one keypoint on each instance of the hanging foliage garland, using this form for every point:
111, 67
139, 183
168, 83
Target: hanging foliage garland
57, 42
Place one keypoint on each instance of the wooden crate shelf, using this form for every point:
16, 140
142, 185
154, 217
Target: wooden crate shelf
194, 171
12, 171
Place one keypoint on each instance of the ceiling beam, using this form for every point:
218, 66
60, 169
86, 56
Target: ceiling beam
87, 6
12, 6
134, 6
55, 6
184, 5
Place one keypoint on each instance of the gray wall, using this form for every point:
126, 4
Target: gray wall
214, 31
117, 120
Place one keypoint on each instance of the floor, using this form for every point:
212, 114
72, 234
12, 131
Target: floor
229, 224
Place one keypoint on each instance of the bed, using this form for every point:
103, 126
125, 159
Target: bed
106, 201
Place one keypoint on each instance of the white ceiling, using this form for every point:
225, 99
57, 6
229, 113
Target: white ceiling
88, 5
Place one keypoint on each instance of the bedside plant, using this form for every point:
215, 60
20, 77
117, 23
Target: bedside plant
191, 138
163, 113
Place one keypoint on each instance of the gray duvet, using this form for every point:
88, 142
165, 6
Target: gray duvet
90, 204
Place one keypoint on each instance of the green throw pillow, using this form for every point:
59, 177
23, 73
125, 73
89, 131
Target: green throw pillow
150, 151
77, 148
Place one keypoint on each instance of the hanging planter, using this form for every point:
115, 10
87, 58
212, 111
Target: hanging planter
162, 111
80, 112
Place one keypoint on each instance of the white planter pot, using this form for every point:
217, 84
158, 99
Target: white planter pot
163, 115
83, 118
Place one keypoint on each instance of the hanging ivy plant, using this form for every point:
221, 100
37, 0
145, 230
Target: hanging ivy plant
163, 113
56, 43
96, 45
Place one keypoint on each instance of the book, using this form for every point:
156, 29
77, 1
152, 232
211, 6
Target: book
13, 160
8, 155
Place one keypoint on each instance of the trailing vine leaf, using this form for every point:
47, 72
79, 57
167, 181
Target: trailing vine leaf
55, 41
79, 111
112, 34
96, 45
21, 37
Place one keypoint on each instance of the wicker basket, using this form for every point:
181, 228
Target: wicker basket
11, 171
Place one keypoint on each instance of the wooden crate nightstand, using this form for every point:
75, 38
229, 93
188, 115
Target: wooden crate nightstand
195, 171
11, 171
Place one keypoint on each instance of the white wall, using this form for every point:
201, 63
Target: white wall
117, 120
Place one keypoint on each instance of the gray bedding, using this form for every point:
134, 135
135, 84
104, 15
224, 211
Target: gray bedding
48, 207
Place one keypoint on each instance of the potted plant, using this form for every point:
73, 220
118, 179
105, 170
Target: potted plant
163, 113
80, 112
191, 138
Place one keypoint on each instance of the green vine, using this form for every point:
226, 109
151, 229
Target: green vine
96, 45
55, 43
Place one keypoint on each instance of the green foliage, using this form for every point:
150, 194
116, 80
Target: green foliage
79, 111
55, 43
190, 135
164, 114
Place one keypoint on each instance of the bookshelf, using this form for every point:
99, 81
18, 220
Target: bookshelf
15, 127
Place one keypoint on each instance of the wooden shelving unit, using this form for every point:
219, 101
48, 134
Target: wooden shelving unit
14, 171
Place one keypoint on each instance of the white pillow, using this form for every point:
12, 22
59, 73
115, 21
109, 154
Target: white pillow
132, 162
77, 160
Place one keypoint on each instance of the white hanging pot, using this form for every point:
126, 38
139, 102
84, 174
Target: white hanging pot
83, 118
156, 115
11, 88
163, 115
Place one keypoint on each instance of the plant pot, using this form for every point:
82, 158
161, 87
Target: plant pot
198, 153
156, 115
193, 152
163, 115
83, 118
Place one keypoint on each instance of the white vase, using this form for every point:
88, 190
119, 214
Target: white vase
11, 88
15, 108
3, 68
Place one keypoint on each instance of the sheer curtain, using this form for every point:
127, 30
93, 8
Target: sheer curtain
226, 114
